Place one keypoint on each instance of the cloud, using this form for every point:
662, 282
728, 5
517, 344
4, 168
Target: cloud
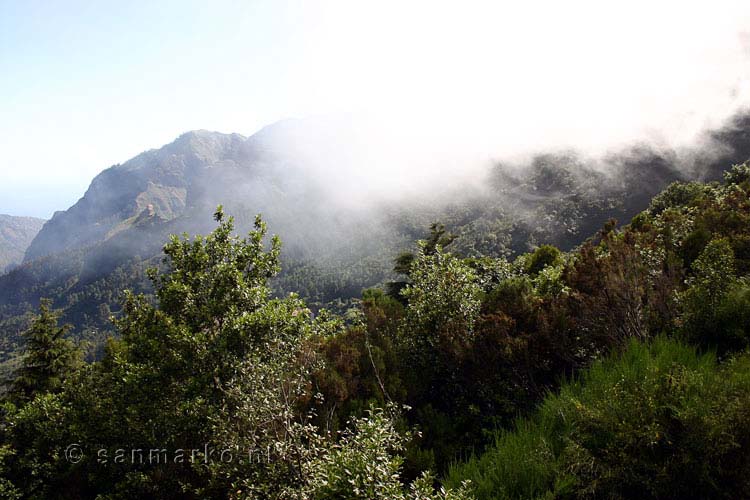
498, 78
444, 87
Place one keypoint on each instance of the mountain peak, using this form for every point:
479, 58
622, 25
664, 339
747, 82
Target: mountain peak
203, 135
163, 179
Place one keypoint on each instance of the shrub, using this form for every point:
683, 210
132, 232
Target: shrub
545, 255
737, 174
659, 421
677, 194
715, 306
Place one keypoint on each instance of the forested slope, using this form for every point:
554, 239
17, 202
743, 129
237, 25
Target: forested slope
618, 369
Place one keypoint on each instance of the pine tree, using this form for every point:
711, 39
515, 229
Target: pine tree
48, 356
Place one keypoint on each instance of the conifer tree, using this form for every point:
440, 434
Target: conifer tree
48, 356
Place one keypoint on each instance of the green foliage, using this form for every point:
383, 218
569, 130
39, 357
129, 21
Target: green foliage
209, 278
714, 269
678, 194
737, 174
660, 421
361, 465
404, 262
693, 245
48, 357
364, 465
715, 306
490, 272
549, 315
521, 463
215, 364
468, 345
443, 299
549, 281
7, 489
545, 255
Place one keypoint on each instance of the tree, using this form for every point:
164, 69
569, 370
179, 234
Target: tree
215, 376
364, 465
216, 362
545, 255
443, 298
439, 239
738, 174
714, 307
48, 357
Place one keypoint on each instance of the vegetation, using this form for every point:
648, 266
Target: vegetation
217, 367
659, 421
618, 369
48, 358
86, 257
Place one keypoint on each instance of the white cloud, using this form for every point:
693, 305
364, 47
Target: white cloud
450, 84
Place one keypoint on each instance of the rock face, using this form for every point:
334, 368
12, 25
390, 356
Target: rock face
16, 234
137, 204
165, 180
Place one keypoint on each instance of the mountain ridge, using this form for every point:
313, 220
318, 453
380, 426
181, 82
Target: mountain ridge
157, 177
16, 234
333, 248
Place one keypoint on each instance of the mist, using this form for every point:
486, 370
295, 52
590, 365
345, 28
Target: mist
403, 115
434, 92
514, 126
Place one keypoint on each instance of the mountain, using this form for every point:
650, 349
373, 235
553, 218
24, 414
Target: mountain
178, 186
87, 255
157, 183
313, 185
16, 234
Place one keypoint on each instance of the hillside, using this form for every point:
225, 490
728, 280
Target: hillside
619, 369
294, 173
16, 234
158, 183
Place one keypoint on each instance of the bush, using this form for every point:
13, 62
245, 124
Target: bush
677, 194
545, 255
716, 306
737, 174
660, 421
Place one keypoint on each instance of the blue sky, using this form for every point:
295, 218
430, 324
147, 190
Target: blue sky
87, 84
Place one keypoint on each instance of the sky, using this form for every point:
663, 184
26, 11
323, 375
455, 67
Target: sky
88, 84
